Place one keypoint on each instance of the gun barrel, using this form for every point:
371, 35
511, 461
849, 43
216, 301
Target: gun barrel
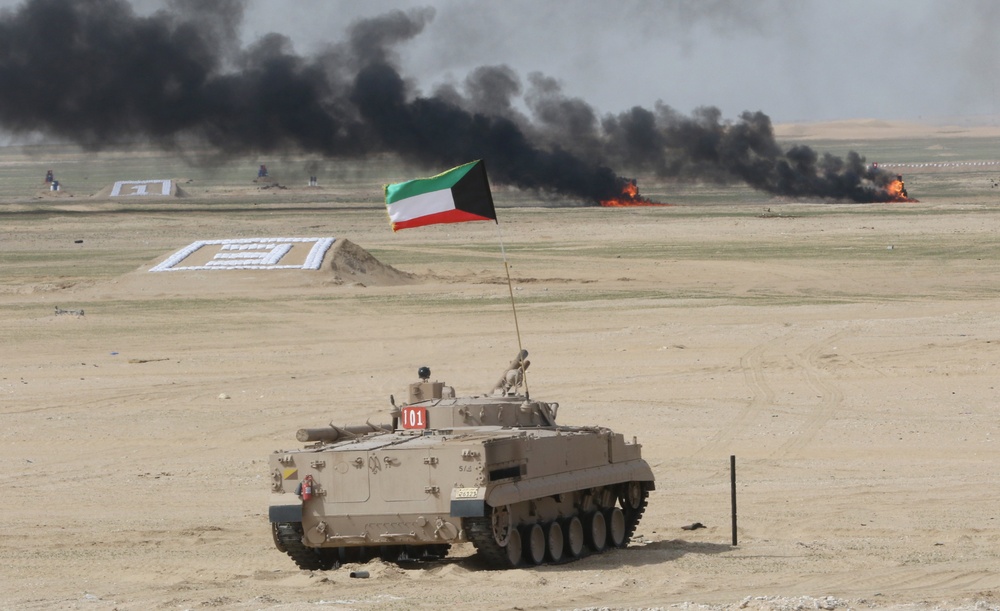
332, 433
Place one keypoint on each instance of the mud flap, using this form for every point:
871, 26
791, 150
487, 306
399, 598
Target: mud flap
284, 513
468, 502
468, 508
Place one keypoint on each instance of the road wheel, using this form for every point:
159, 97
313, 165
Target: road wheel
616, 527
513, 547
633, 495
555, 546
597, 531
534, 539
574, 537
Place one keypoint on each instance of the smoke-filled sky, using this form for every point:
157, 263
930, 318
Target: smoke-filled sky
796, 60
559, 98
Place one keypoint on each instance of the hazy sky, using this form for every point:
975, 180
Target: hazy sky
556, 94
795, 60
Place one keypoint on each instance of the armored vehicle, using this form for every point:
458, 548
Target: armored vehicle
494, 470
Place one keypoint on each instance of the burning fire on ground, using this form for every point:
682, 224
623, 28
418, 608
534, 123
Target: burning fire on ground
893, 192
629, 197
897, 191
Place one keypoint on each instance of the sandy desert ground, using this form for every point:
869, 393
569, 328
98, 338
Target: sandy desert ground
847, 355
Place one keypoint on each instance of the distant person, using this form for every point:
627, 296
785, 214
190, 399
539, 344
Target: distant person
48, 177
262, 171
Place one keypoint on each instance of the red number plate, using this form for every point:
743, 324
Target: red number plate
414, 417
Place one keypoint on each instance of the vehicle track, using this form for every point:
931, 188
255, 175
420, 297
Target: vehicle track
761, 395
829, 393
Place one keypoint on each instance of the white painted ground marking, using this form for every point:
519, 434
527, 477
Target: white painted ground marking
138, 187
249, 253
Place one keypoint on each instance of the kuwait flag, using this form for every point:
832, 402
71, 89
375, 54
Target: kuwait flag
458, 195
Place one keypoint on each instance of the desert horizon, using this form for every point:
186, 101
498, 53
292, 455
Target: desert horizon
845, 353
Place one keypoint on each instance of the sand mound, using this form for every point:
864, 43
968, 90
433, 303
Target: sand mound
267, 181
351, 263
50, 194
345, 264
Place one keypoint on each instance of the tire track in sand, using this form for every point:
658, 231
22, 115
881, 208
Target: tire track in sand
761, 394
830, 395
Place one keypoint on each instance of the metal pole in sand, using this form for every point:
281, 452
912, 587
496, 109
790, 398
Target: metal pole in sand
732, 489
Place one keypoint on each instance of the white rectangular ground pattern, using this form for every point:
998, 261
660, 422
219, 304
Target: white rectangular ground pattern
140, 187
249, 253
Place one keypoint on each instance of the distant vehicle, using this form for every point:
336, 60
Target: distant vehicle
494, 470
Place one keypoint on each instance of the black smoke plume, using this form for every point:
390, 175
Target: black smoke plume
95, 72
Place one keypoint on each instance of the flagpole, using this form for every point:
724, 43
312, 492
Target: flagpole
457, 195
513, 307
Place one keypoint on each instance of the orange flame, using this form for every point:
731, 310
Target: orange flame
897, 192
895, 189
629, 197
